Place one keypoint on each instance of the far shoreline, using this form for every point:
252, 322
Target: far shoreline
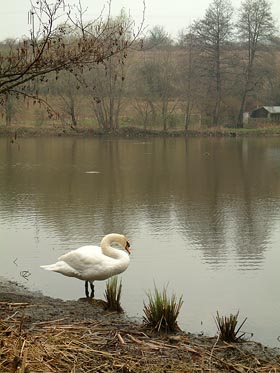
14, 132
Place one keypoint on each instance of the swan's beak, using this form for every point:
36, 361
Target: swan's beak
127, 247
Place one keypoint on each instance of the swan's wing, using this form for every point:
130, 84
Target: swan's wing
89, 263
83, 258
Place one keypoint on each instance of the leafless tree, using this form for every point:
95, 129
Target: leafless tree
212, 34
255, 27
59, 40
190, 70
157, 37
157, 84
105, 82
68, 91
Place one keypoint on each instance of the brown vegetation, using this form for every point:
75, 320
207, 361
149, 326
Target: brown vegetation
98, 80
40, 334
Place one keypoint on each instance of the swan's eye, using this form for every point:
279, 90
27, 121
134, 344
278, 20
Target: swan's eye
127, 244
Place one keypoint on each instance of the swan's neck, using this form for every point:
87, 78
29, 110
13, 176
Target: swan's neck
110, 251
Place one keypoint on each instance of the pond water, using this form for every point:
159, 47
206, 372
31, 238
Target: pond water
202, 216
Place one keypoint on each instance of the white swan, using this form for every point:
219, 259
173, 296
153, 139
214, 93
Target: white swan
91, 263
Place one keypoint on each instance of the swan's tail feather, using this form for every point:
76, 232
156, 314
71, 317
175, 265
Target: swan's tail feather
63, 268
49, 267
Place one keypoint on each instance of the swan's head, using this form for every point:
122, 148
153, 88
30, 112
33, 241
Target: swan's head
127, 247
117, 238
124, 242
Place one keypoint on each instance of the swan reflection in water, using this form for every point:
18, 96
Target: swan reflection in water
94, 263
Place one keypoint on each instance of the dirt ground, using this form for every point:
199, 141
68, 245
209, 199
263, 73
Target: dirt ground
42, 334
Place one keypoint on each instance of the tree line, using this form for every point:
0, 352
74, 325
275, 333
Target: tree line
220, 66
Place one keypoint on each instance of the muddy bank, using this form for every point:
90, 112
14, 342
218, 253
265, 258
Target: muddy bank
16, 132
127, 132
42, 334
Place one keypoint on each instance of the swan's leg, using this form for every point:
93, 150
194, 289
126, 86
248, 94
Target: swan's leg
92, 290
86, 289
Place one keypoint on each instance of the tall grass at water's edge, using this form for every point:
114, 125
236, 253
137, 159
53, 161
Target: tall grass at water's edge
227, 327
161, 312
113, 294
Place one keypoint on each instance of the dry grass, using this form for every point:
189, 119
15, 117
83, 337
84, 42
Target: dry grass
94, 346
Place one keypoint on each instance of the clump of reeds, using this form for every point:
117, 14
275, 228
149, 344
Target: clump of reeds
161, 312
113, 294
227, 327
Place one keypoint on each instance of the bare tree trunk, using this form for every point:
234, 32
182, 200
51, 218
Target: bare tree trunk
164, 113
239, 123
72, 110
8, 109
188, 111
217, 107
190, 79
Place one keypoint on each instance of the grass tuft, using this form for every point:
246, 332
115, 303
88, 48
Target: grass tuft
161, 312
113, 294
227, 327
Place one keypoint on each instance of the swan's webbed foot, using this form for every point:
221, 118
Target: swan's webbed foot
91, 289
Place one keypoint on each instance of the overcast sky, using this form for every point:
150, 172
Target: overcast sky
174, 15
